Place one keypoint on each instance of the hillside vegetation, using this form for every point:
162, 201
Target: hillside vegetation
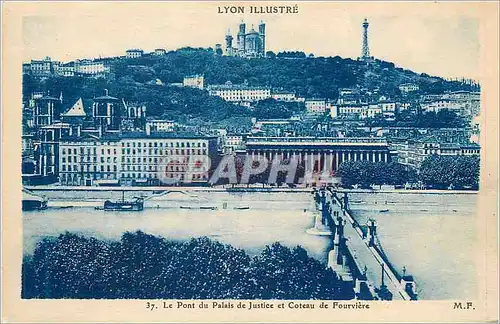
321, 77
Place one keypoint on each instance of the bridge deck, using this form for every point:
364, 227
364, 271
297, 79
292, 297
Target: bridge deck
367, 256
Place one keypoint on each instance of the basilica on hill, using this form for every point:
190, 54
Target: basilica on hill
249, 44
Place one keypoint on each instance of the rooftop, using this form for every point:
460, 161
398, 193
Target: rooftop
236, 87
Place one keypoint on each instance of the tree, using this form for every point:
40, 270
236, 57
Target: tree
282, 273
442, 171
270, 54
143, 266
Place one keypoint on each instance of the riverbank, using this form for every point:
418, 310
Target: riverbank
228, 188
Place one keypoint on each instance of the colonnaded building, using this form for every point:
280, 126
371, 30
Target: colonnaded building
321, 153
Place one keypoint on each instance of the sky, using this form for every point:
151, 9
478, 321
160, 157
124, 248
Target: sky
440, 41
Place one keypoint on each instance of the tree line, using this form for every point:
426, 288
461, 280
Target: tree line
367, 173
436, 171
456, 172
143, 266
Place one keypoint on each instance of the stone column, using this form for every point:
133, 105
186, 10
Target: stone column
330, 163
379, 157
319, 162
385, 157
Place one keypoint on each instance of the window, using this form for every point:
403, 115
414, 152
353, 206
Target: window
63, 151
63, 160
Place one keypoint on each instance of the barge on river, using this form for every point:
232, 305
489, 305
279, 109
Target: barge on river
123, 205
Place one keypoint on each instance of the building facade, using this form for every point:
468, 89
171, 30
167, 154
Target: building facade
134, 53
134, 159
283, 96
194, 81
41, 68
92, 68
315, 106
408, 87
65, 70
89, 160
159, 125
238, 93
413, 152
159, 52
463, 103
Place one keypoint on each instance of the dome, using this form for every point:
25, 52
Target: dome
252, 31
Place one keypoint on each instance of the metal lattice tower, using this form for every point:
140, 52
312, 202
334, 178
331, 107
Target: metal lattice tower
365, 53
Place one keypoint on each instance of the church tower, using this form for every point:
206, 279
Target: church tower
229, 43
241, 40
262, 34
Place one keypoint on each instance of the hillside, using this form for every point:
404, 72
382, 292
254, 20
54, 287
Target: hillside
308, 77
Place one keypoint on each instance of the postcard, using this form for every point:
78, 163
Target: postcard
249, 162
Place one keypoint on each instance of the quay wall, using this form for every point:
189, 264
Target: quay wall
82, 193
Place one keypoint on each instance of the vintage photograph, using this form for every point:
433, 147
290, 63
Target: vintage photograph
260, 152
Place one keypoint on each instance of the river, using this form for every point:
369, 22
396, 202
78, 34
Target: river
432, 235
